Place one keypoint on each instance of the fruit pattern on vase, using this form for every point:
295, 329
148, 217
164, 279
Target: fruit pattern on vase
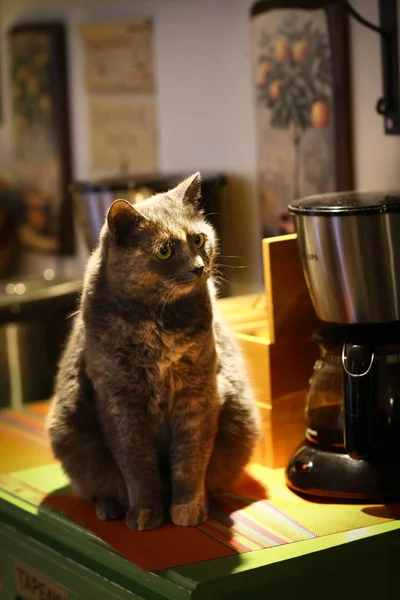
294, 111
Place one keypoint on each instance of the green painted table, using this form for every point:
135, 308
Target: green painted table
44, 556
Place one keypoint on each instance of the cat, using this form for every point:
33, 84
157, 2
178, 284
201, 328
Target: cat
152, 387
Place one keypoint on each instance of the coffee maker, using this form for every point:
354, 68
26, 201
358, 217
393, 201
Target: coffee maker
349, 245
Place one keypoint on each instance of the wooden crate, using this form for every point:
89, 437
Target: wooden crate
274, 330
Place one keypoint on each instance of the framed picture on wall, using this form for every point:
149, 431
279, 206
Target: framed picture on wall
303, 104
41, 136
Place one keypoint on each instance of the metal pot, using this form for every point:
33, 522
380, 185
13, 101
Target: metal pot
34, 325
92, 199
350, 251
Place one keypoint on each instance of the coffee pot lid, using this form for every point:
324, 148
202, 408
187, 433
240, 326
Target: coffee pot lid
347, 203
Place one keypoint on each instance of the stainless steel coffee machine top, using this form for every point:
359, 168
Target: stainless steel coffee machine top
350, 250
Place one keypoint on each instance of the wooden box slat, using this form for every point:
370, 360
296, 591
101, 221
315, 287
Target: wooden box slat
275, 333
290, 312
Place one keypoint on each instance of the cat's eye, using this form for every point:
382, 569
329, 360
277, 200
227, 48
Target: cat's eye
199, 240
164, 251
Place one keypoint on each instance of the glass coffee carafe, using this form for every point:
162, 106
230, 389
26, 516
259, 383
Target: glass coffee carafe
354, 391
324, 410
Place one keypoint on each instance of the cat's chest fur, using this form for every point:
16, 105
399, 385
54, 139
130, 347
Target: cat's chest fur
167, 347
172, 369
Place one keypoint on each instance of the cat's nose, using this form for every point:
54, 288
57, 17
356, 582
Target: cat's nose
198, 270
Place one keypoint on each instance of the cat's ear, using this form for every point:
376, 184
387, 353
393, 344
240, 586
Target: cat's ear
123, 219
189, 190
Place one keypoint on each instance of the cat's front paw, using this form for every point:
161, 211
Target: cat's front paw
109, 509
189, 515
141, 519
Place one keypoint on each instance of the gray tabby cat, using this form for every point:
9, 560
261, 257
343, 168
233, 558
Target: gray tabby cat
152, 392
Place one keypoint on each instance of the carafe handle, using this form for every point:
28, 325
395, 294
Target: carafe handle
360, 399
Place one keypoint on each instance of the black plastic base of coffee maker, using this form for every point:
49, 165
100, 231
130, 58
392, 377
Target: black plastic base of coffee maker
313, 471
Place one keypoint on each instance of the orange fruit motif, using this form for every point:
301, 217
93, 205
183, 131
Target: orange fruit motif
275, 89
263, 71
319, 114
282, 50
300, 51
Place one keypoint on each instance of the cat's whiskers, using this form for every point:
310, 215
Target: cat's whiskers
161, 300
228, 256
166, 300
221, 286
219, 272
156, 293
221, 280
165, 297
222, 277
234, 266
72, 314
